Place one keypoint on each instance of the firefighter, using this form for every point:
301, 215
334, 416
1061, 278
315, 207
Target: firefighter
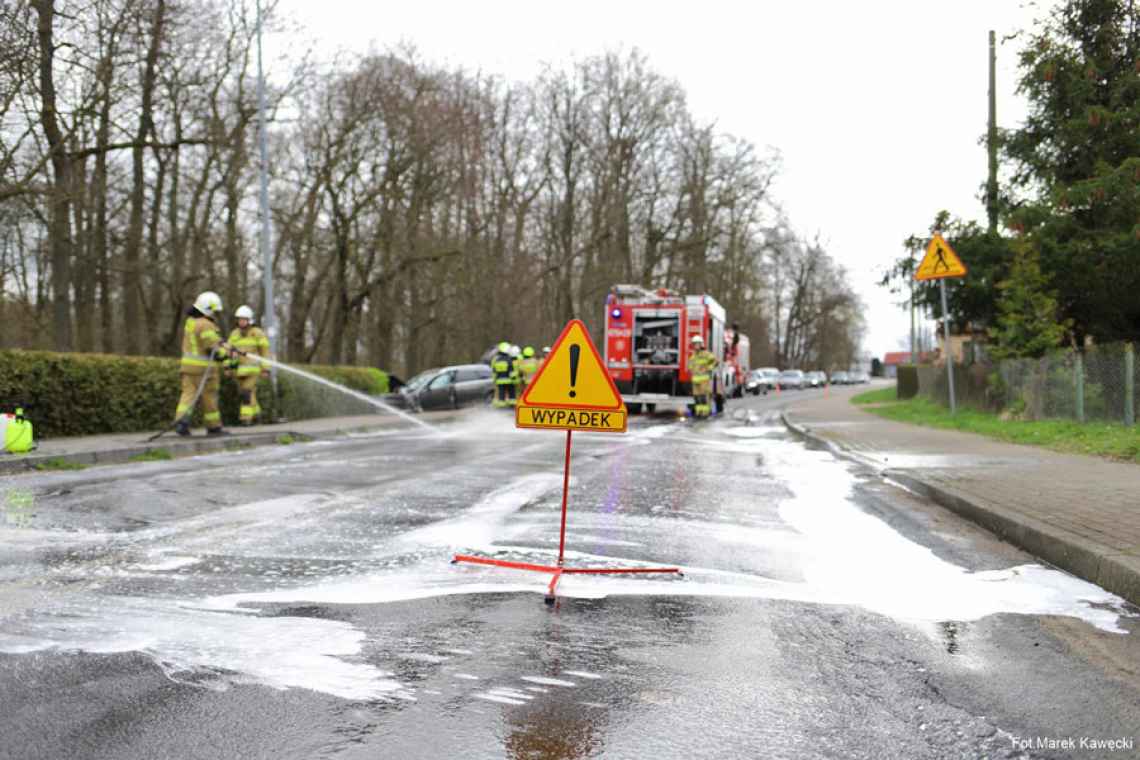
250, 340
516, 370
202, 344
504, 382
528, 366
702, 364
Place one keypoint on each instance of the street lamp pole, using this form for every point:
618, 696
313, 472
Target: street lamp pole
269, 318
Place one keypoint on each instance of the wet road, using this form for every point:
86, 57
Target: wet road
298, 602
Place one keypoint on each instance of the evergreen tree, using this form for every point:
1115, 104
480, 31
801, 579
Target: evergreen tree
1076, 162
1026, 324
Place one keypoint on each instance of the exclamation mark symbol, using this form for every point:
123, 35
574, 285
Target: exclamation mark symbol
575, 349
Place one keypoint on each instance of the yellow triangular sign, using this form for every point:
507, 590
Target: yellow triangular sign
574, 376
940, 261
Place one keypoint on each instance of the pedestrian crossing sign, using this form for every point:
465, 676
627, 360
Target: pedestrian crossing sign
572, 390
940, 261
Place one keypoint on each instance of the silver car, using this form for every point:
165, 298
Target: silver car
792, 378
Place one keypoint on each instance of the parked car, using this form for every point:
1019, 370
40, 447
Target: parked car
816, 379
792, 378
859, 377
840, 378
446, 388
762, 380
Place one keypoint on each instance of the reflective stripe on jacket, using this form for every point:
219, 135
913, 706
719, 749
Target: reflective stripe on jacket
252, 341
701, 365
501, 366
199, 339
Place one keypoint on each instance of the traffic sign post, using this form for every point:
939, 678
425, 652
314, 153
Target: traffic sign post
572, 391
941, 263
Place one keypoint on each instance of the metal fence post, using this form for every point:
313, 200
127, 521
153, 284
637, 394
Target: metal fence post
1079, 377
1129, 385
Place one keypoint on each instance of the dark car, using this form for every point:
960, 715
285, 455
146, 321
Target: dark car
447, 388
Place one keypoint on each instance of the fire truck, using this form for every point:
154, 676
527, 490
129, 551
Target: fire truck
647, 347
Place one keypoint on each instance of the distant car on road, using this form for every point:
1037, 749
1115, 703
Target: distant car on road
859, 377
839, 378
446, 388
762, 380
816, 379
792, 378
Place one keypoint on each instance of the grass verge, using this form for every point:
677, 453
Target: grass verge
153, 455
879, 396
59, 464
1092, 438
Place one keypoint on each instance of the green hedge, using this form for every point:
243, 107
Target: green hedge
87, 394
907, 381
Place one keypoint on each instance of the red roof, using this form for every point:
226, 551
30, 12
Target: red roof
903, 357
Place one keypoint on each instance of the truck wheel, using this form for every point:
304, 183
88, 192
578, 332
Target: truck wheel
650, 408
633, 408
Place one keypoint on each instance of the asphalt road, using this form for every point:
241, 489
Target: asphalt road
299, 602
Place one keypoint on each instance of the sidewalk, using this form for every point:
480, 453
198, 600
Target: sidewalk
119, 448
1078, 513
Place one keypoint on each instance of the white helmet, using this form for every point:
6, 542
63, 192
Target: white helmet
515, 350
244, 312
208, 302
697, 340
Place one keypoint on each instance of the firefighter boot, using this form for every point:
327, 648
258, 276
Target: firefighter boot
182, 427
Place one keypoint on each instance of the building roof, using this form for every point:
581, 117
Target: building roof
903, 357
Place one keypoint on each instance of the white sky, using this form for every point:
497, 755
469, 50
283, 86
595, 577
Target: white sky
877, 107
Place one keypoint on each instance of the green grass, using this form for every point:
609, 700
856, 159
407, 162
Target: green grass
59, 464
1093, 438
879, 396
285, 439
153, 455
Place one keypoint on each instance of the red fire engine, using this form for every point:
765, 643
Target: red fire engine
647, 347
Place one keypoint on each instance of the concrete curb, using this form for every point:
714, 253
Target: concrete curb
1096, 563
124, 454
182, 447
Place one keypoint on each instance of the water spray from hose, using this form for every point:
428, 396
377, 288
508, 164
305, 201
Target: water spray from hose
348, 391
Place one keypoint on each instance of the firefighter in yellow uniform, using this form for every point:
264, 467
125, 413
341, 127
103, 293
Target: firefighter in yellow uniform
504, 379
251, 341
202, 346
702, 364
516, 371
528, 367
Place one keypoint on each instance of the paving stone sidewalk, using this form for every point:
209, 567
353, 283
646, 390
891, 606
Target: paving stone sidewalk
1079, 513
119, 448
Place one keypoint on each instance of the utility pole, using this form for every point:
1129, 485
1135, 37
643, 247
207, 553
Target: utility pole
991, 144
913, 359
269, 317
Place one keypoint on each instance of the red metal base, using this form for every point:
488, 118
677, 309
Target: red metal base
559, 571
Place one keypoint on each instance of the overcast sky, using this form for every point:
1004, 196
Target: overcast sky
876, 107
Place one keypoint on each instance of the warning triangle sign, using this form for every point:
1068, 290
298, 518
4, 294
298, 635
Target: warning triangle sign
574, 376
940, 261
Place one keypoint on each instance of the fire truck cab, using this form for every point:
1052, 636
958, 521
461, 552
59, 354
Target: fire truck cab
647, 347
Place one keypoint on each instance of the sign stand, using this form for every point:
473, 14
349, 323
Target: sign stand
587, 401
941, 263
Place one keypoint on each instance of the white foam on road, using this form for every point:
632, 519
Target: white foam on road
482, 523
280, 652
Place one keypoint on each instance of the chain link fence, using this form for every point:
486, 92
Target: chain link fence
1098, 384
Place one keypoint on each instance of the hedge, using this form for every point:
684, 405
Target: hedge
907, 381
87, 394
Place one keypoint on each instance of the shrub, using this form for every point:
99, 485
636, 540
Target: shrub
87, 394
907, 381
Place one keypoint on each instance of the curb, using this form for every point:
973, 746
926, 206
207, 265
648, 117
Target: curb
181, 447
1093, 562
125, 454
